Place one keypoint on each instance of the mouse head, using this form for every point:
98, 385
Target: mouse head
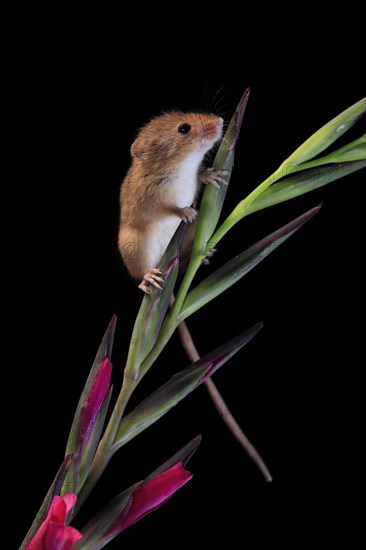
175, 135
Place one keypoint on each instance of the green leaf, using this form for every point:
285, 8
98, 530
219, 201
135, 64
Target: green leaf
153, 308
213, 198
326, 135
319, 141
177, 388
54, 490
105, 350
356, 150
303, 182
230, 273
96, 532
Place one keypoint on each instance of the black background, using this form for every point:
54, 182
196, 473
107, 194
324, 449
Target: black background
78, 84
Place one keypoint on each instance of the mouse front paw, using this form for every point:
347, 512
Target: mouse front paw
215, 177
151, 278
188, 214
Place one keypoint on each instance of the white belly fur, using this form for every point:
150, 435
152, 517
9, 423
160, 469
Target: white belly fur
160, 234
183, 187
181, 191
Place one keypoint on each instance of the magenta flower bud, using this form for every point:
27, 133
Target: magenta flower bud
95, 400
155, 492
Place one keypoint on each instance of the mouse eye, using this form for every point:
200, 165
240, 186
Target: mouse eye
184, 128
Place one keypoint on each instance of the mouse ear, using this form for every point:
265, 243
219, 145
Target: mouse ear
138, 148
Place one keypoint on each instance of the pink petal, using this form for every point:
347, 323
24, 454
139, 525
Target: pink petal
95, 398
37, 542
59, 537
154, 493
56, 515
61, 506
56, 512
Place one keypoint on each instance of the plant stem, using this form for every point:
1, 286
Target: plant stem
170, 323
103, 453
242, 207
192, 269
221, 406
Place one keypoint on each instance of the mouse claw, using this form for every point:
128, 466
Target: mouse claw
214, 183
188, 214
214, 177
151, 278
211, 252
208, 255
144, 288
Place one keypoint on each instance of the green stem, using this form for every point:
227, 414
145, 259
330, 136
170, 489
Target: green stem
240, 211
192, 269
171, 321
103, 453
165, 334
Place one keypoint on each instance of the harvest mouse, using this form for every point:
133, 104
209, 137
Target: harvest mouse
161, 187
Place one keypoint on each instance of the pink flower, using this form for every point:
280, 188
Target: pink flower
152, 494
53, 534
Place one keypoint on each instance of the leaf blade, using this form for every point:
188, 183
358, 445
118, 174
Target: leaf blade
314, 145
303, 182
177, 388
353, 151
237, 267
327, 134
213, 198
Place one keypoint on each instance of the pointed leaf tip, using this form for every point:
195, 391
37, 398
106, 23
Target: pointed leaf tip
240, 110
224, 352
183, 455
111, 333
213, 198
327, 134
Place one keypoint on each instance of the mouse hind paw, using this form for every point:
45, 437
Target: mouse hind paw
188, 214
209, 254
152, 277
